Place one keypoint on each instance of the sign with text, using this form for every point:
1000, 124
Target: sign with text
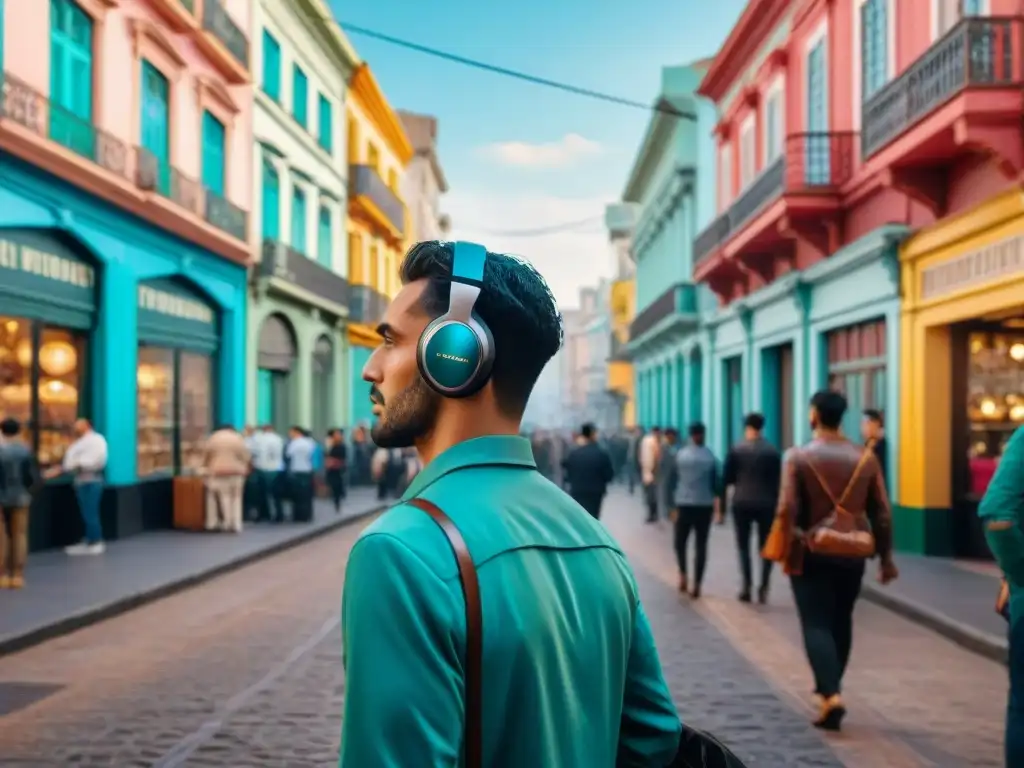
172, 313
1000, 259
43, 276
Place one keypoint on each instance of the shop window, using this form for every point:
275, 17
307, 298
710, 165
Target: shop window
995, 401
857, 368
41, 378
175, 409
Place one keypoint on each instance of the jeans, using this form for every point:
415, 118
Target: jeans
698, 520
13, 540
302, 497
745, 518
268, 497
651, 501
336, 480
1015, 704
825, 595
89, 496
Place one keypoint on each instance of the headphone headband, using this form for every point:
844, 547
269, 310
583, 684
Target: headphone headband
468, 263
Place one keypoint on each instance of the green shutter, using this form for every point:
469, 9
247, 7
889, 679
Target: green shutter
155, 131
271, 66
213, 154
299, 220
323, 249
300, 96
326, 123
271, 203
71, 36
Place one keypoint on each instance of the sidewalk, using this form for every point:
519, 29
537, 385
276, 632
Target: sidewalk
65, 593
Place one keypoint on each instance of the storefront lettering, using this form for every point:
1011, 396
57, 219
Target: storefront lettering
989, 263
32, 261
172, 305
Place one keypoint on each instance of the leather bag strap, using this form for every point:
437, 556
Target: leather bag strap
473, 739
841, 501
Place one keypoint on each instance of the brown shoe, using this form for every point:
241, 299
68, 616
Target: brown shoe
17, 581
5, 581
832, 713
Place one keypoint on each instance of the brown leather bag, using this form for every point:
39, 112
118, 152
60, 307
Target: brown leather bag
473, 738
843, 533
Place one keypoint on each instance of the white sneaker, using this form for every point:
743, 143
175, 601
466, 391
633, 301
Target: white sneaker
95, 549
81, 548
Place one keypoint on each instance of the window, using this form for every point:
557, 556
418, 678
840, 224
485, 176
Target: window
375, 267
355, 259
857, 368
874, 46
946, 13
155, 130
213, 154
774, 128
271, 66
299, 220
271, 185
175, 409
393, 180
300, 96
71, 78
323, 246
748, 153
326, 118
725, 176
40, 384
817, 159
372, 157
353, 142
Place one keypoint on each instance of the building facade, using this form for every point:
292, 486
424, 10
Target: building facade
298, 349
125, 171
962, 328
672, 185
378, 229
424, 181
620, 219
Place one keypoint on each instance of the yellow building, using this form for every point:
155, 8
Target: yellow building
962, 371
378, 222
620, 372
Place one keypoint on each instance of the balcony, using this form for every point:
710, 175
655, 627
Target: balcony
675, 307
225, 42
292, 270
795, 199
151, 174
376, 200
366, 305
180, 15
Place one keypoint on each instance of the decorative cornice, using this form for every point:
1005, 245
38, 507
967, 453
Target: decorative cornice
143, 29
753, 27
675, 187
214, 89
367, 93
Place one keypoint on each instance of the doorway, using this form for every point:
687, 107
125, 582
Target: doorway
777, 394
733, 401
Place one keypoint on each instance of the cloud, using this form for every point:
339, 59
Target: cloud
563, 153
569, 259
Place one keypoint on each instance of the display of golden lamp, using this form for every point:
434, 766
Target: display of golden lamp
56, 392
24, 353
1017, 352
16, 394
58, 358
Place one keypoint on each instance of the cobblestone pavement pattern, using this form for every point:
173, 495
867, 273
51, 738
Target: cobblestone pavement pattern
245, 671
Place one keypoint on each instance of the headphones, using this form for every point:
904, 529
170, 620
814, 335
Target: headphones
456, 350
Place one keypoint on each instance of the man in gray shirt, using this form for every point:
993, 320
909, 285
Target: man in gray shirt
299, 455
696, 500
19, 474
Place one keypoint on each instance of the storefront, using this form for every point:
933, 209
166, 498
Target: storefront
962, 352
99, 311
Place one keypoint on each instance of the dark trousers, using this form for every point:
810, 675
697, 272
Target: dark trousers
825, 595
336, 481
591, 502
651, 501
268, 496
1015, 705
302, 496
746, 517
697, 520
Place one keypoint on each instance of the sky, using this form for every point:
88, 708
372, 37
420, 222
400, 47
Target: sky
520, 156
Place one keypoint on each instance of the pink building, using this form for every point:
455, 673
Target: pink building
125, 176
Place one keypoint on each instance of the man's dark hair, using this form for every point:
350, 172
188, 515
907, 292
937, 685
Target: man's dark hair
516, 305
9, 427
876, 416
697, 429
588, 430
755, 421
655, 429
224, 427
672, 432
831, 406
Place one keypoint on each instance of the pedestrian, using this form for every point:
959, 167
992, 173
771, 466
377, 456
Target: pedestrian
636, 434
588, 470
250, 494
665, 475
268, 465
696, 500
650, 453
753, 468
86, 460
300, 453
1002, 513
833, 514
872, 428
226, 461
336, 462
19, 477
559, 600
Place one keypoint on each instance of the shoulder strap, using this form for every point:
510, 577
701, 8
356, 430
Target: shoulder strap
838, 503
474, 630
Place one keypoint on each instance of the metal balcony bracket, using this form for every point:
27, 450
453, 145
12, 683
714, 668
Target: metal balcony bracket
927, 186
760, 264
1004, 143
821, 233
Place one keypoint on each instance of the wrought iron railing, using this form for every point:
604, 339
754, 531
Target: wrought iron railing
365, 181
977, 53
366, 305
680, 299
225, 215
29, 108
219, 23
156, 175
290, 265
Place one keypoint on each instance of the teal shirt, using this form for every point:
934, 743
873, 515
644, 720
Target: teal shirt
571, 675
1004, 503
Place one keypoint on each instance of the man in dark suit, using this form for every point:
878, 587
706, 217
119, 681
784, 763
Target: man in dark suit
588, 470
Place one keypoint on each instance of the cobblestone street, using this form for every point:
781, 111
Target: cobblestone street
245, 670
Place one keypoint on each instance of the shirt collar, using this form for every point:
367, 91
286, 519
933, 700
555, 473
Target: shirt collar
480, 451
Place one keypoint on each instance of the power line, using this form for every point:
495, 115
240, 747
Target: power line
551, 230
659, 107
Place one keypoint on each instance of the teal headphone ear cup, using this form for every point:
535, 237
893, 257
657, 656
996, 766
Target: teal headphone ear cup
455, 358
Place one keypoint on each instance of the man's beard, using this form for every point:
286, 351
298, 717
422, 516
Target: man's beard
408, 416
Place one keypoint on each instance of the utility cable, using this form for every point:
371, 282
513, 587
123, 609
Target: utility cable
659, 107
551, 230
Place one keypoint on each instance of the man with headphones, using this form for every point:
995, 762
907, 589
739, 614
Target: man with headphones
570, 672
